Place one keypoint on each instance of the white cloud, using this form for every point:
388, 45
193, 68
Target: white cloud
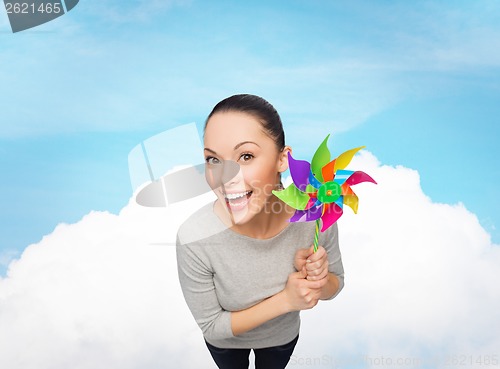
103, 293
420, 277
100, 294
6, 256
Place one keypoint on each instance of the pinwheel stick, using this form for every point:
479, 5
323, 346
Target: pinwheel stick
316, 234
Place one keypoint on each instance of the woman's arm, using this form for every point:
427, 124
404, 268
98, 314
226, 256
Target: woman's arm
298, 294
330, 288
198, 287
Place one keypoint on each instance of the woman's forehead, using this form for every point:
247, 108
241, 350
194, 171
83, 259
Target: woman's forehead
231, 128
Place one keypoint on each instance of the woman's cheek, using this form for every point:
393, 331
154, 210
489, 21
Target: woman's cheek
262, 187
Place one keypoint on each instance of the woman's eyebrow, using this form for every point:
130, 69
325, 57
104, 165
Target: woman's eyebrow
212, 151
245, 142
235, 148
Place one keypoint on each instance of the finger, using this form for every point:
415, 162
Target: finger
302, 273
316, 284
318, 274
323, 265
313, 273
315, 294
314, 270
302, 253
316, 299
323, 274
315, 265
315, 256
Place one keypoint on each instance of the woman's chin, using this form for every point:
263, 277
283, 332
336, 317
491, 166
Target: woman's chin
233, 214
240, 215
241, 206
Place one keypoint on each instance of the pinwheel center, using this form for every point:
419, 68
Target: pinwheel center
329, 192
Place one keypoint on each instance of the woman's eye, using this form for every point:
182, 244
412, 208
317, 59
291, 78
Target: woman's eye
212, 160
246, 157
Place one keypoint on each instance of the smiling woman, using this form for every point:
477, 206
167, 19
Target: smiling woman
246, 284
239, 137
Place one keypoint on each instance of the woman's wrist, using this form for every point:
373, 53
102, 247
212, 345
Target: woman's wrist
284, 302
330, 288
270, 308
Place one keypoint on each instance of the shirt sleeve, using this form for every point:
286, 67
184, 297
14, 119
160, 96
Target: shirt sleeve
197, 284
331, 245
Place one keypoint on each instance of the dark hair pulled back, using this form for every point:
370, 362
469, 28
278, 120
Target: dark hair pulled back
257, 107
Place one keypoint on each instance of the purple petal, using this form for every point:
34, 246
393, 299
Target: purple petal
307, 215
299, 170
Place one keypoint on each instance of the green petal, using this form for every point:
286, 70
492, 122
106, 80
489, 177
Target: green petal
310, 189
320, 159
293, 197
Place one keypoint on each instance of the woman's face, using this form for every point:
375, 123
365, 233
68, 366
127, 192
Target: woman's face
239, 138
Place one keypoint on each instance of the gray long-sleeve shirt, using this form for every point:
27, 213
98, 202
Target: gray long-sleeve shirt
222, 271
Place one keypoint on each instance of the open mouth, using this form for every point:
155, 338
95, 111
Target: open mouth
237, 201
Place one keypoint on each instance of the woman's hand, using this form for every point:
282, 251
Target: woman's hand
300, 293
316, 263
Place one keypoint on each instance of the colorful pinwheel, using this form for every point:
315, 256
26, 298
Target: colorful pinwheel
321, 188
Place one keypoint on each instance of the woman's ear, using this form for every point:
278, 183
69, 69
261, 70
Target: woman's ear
283, 159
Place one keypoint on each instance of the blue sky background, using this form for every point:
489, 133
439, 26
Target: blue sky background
416, 82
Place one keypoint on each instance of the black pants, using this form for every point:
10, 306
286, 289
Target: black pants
265, 358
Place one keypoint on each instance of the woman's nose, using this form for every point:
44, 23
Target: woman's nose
230, 173
225, 173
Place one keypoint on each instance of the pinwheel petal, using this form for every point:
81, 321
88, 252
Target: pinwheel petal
352, 202
345, 158
328, 171
359, 177
350, 198
315, 193
342, 175
307, 215
311, 202
293, 197
332, 213
346, 190
299, 170
340, 202
320, 159
313, 181
310, 189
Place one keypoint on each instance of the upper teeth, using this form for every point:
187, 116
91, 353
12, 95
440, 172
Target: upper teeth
232, 196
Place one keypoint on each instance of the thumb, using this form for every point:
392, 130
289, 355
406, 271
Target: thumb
308, 252
303, 253
302, 274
